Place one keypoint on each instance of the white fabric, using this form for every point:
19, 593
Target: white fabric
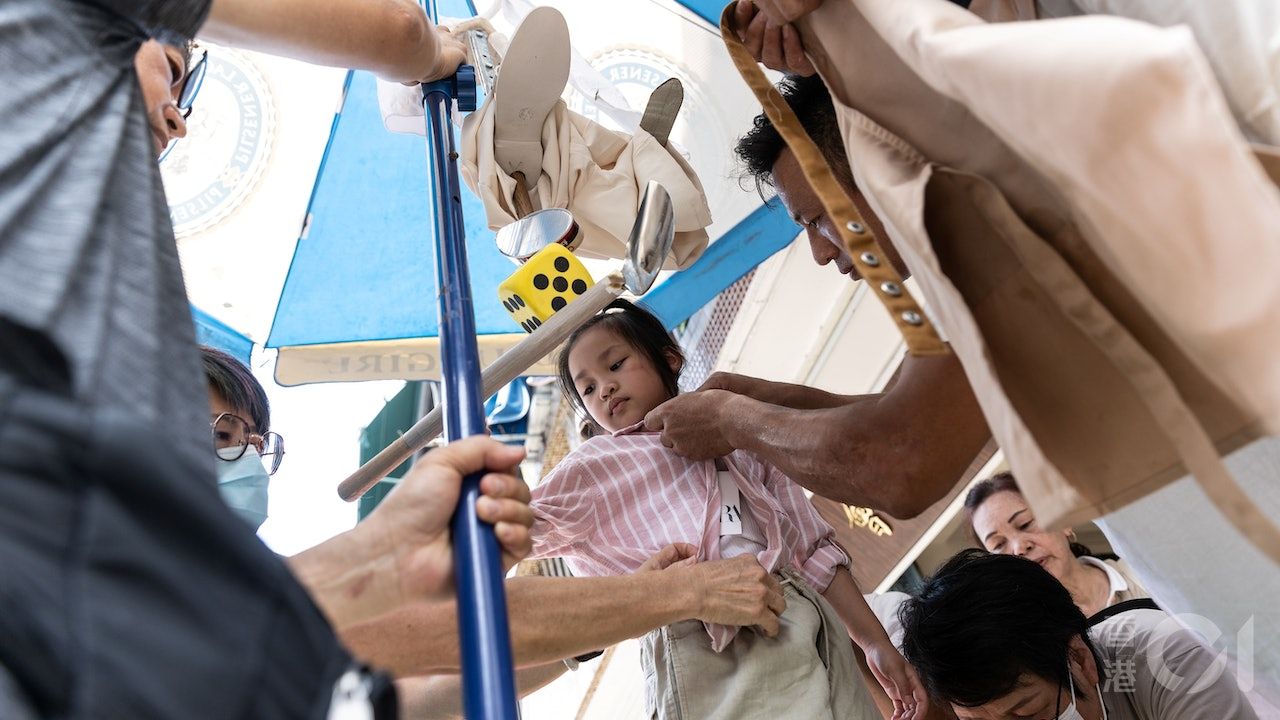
401, 105
401, 108
1240, 38
739, 533
598, 175
1196, 564
885, 606
1116, 581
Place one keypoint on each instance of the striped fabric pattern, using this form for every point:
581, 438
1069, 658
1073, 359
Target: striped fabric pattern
617, 500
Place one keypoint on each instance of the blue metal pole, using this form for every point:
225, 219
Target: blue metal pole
488, 681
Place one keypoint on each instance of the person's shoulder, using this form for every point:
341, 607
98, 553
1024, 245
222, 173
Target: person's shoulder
1143, 633
1135, 587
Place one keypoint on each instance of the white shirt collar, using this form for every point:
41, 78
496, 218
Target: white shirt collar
1118, 583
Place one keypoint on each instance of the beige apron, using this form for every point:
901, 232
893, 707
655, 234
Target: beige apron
1088, 227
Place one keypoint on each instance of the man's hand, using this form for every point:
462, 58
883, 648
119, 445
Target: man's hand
693, 424
450, 53
736, 592
776, 44
675, 554
412, 525
785, 11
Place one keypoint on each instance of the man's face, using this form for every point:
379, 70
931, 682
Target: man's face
1035, 698
160, 70
805, 208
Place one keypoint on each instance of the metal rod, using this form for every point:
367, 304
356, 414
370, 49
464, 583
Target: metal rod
488, 681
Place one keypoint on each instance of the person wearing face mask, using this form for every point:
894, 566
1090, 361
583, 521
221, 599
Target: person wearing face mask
996, 636
240, 419
1003, 523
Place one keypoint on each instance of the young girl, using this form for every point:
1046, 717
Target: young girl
622, 496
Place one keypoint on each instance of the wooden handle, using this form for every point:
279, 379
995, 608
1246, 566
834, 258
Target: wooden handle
520, 198
506, 368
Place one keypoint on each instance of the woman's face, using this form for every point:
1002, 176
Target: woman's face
1006, 526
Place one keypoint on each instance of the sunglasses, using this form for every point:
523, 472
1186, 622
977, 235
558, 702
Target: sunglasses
192, 82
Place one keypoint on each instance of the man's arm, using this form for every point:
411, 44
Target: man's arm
898, 451
439, 697
392, 38
555, 618
789, 395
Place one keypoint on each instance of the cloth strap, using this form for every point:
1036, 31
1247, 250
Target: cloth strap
859, 239
1122, 607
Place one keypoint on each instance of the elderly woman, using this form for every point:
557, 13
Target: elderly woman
1004, 524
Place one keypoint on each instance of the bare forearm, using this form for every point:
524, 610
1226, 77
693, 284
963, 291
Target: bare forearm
550, 619
788, 395
347, 578
899, 451
392, 38
439, 697
863, 625
802, 444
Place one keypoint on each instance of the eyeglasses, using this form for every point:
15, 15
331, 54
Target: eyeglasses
232, 436
192, 81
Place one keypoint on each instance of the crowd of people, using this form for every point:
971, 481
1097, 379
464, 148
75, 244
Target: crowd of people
684, 515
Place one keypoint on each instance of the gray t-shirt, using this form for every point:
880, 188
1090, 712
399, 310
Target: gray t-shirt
1154, 669
87, 253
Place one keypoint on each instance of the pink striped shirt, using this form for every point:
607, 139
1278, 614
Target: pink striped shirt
617, 500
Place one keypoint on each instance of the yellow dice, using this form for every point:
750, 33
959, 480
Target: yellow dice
548, 281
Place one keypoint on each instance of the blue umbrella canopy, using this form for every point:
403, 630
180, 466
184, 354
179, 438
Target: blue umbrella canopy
359, 301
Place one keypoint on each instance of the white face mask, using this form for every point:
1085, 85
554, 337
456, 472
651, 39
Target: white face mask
1072, 712
243, 484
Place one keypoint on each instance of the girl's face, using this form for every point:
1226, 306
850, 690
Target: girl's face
1006, 526
617, 383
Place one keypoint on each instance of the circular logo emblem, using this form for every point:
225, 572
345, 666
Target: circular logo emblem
211, 171
635, 72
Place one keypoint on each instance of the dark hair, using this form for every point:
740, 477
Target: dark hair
998, 483
234, 383
984, 620
760, 148
638, 328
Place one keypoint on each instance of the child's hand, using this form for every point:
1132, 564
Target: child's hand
899, 680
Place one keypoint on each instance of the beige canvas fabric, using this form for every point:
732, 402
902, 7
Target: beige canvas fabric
1089, 229
1239, 38
598, 174
807, 671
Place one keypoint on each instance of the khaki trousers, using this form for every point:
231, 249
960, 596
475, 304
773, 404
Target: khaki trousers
808, 671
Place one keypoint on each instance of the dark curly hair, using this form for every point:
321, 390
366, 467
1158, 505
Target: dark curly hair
760, 148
